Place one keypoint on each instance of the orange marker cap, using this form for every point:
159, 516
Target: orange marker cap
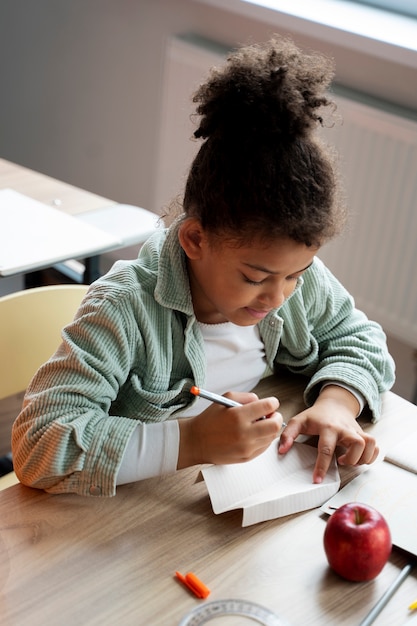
195, 390
193, 583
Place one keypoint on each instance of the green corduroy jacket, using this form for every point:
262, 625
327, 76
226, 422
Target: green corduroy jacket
135, 348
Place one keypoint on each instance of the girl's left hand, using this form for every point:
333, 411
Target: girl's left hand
333, 419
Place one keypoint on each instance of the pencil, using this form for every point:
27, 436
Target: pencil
215, 397
386, 597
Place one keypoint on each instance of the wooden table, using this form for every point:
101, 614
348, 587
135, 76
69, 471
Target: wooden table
48, 190
66, 559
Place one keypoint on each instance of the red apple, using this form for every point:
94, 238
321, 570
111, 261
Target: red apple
357, 541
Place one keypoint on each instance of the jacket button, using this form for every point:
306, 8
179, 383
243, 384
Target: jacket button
95, 490
272, 323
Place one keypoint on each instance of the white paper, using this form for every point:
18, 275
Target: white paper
34, 235
391, 491
390, 486
404, 454
271, 485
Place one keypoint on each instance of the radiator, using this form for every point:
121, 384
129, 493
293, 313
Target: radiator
376, 256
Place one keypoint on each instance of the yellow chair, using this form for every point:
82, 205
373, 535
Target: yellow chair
30, 329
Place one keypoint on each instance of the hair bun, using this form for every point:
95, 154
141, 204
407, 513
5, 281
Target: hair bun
271, 91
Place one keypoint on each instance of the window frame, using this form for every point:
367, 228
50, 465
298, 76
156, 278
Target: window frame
351, 24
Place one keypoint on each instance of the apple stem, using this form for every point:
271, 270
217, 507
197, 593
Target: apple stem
358, 517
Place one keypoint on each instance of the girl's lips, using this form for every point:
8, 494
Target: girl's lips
259, 315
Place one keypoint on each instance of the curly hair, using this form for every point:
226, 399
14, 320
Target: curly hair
261, 169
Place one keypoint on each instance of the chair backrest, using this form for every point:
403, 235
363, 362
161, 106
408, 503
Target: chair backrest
30, 328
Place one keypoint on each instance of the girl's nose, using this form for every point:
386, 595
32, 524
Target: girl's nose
273, 298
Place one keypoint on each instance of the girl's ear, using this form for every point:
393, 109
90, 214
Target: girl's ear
192, 237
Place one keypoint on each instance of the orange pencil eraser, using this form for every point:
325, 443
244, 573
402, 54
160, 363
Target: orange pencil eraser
193, 583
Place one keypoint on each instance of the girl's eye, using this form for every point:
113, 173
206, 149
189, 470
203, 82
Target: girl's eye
253, 282
289, 279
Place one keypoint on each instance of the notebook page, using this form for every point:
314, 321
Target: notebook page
267, 478
300, 500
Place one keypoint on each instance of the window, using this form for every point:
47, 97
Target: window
407, 7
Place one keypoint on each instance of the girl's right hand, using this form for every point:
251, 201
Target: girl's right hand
222, 435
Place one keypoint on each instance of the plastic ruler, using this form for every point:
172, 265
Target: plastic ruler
204, 613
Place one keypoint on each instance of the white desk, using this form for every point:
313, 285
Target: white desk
34, 235
60, 197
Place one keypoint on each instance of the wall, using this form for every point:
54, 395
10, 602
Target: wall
81, 80
81, 83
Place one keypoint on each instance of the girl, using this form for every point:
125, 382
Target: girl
232, 289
